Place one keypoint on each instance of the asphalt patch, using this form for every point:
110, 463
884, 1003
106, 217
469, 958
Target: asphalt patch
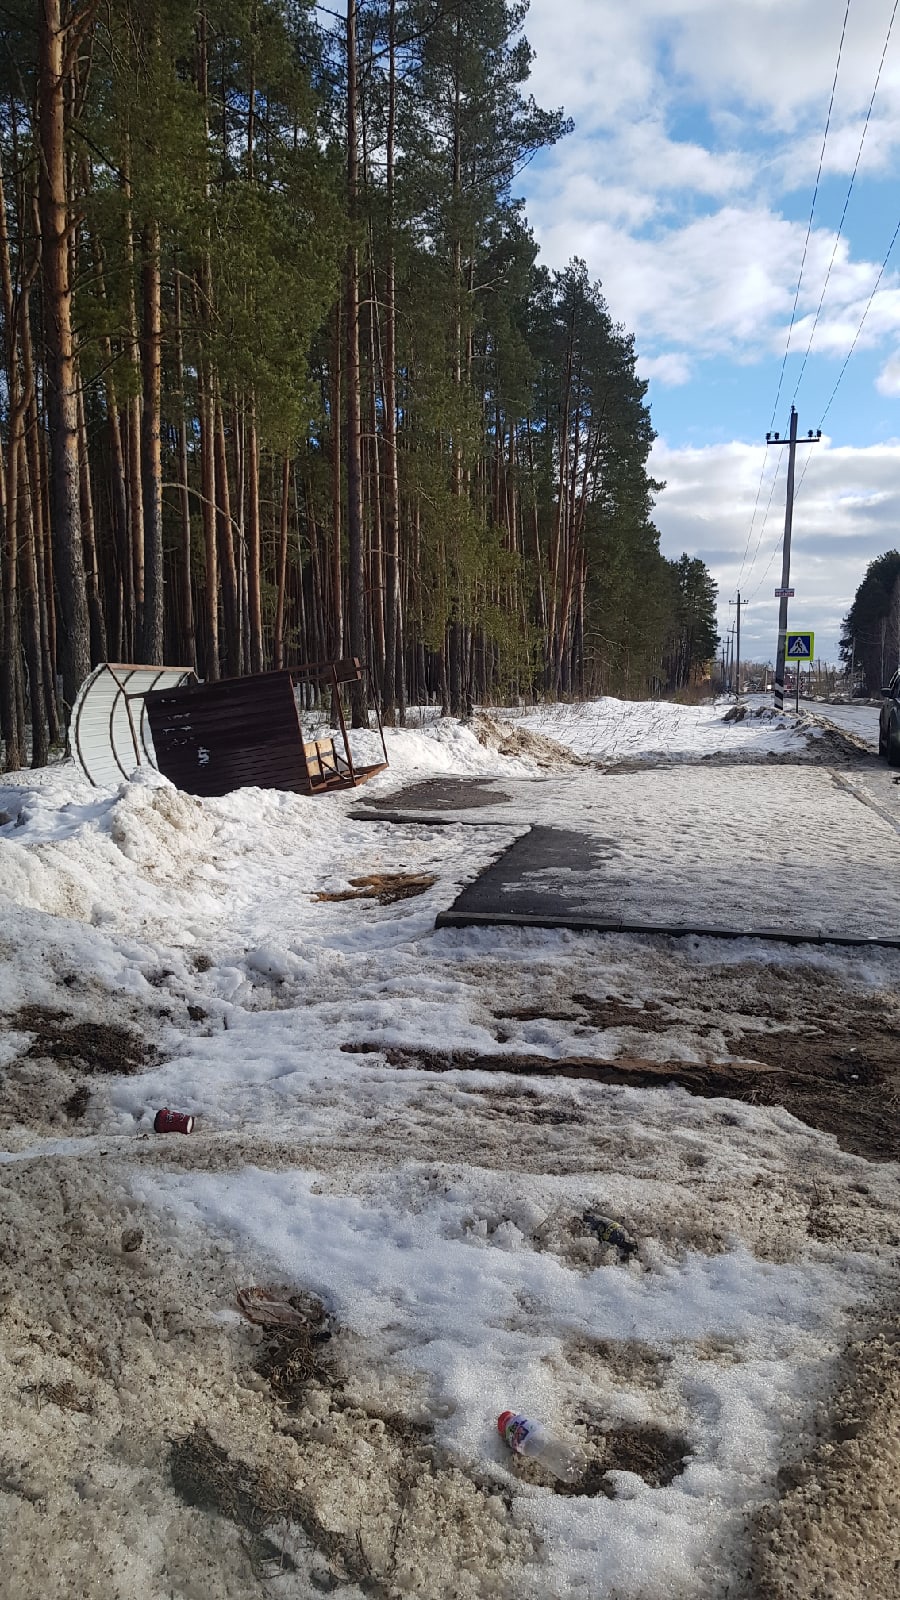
442, 794
554, 878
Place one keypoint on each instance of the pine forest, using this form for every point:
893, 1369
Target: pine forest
284, 378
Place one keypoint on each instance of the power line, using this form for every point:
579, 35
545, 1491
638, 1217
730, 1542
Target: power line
787, 347
812, 208
762, 531
753, 519
881, 272
837, 237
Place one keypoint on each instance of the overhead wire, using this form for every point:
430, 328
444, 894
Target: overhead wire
825, 287
837, 67
762, 475
760, 539
837, 237
866, 310
868, 306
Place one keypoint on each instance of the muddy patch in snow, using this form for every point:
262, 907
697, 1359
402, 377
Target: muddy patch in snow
48, 1055
519, 742
154, 1442
91, 1047
833, 1530
842, 1092
825, 741
785, 1033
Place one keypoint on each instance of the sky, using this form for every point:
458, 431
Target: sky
687, 186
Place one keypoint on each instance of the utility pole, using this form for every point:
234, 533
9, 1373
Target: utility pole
791, 442
737, 649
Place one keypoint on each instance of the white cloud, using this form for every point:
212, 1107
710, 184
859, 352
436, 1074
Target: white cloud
778, 58
720, 283
847, 512
596, 57
639, 204
694, 122
888, 380
764, 56
671, 369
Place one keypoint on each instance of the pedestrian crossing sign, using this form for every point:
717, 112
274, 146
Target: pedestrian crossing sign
800, 646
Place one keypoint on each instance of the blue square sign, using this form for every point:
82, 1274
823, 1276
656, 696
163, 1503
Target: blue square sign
800, 646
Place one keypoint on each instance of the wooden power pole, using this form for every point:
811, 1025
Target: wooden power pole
784, 591
737, 647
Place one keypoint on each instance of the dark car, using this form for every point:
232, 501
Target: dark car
889, 722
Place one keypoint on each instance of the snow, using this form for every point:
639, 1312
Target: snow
861, 720
436, 1216
645, 731
452, 1298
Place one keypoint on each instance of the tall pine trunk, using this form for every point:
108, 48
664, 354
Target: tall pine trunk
188, 650
355, 547
62, 411
278, 645
151, 448
335, 575
254, 545
393, 687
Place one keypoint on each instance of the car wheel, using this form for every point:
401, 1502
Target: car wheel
893, 744
882, 741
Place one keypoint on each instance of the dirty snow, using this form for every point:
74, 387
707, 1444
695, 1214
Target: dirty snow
436, 1217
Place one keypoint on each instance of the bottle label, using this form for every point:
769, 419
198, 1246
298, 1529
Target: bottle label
517, 1430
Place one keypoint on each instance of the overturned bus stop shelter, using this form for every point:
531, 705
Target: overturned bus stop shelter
211, 738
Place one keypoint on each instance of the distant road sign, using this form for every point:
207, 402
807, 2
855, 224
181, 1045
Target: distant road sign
800, 646
780, 593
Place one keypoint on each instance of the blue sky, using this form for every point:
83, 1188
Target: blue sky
686, 187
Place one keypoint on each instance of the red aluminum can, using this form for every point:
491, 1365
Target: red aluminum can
167, 1121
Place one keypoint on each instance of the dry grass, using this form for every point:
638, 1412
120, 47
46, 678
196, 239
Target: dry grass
385, 887
64, 1395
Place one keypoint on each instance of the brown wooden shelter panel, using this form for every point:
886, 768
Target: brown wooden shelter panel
212, 738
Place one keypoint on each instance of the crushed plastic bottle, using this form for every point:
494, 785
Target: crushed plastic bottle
527, 1438
608, 1231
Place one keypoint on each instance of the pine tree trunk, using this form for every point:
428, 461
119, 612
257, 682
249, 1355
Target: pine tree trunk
9, 564
74, 635
151, 450
132, 418
208, 502
89, 542
45, 716
337, 593
227, 565
282, 565
254, 550
355, 544
10, 668
30, 619
393, 633
188, 650
376, 550
47, 598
